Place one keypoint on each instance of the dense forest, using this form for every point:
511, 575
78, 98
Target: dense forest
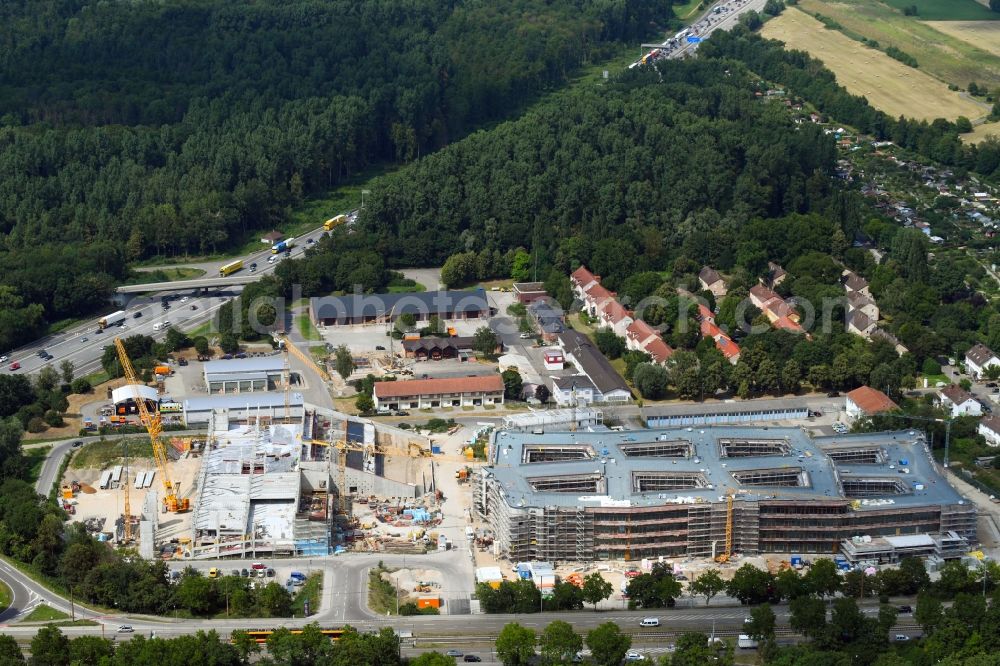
136, 129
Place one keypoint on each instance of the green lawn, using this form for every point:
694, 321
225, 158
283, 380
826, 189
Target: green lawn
62, 325
6, 596
307, 329
98, 377
165, 275
43, 613
104, 453
204, 329
947, 10
36, 458
310, 591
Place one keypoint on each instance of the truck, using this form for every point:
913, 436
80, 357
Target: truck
744, 641
334, 222
230, 268
283, 246
111, 319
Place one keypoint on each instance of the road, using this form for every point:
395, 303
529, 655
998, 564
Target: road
722, 15
83, 345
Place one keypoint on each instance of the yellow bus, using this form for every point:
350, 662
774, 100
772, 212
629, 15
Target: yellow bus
334, 222
231, 268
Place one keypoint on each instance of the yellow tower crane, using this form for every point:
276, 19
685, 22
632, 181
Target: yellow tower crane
154, 427
726, 554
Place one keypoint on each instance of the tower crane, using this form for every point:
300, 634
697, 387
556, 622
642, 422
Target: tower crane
154, 427
726, 554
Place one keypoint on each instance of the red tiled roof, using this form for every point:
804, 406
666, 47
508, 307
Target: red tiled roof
659, 350
704, 313
485, 384
787, 324
599, 294
582, 276
723, 342
762, 293
614, 311
871, 401
639, 330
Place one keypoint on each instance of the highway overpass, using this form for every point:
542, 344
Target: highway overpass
199, 283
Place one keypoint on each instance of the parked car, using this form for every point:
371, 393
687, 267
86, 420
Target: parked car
125, 629
833, 394
400, 412
182, 361
379, 348
245, 573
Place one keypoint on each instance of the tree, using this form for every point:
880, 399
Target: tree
915, 574
693, 649
751, 585
10, 651
515, 644
459, 269
542, 393
708, 585
50, 647
343, 361
512, 385
89, 650
559, 643
822, 577
656, 589
47, 378
761, 624
808, 616
485, 342
650, 380
67, 369
432, 659
790, 584
364, 403
275, 601
929, 612
201, 345
81, 385
963, 125
228, 343
596, 589
610, 344
176, 340
608, 644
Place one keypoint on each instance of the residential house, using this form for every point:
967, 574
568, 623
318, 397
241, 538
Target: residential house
638, 334
272, 237
553, 359
775, 275
584, 355
659, 350
859, 323
959, 401
854, 283
866, 401
547, 318
710, 280
723, 342
856, 301
882, 334
575, 390
978, 359
989, 428
528, 292
778, 312
612, 314
580, 280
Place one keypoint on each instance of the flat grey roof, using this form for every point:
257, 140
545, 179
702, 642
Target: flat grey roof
805, 453
756, 406
419, 303
275, 364
241, 400
237, 376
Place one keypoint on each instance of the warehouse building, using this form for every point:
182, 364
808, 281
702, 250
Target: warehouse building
686, 492
382, 308
243, 408
244, 375
715, 413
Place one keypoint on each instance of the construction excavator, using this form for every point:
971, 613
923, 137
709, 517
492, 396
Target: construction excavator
154, 427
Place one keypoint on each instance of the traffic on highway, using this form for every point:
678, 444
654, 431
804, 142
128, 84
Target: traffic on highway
151, 314
723, 15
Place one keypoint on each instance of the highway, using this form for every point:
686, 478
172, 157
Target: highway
723, 15
83, 345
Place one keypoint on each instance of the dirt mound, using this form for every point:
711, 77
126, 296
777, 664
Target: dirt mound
84, 488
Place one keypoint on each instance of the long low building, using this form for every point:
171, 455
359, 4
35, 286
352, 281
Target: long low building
445, 392
243, 408
244, 375
686, 492
716, 413
380, 308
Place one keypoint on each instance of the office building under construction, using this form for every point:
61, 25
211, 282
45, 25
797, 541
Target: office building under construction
709, 492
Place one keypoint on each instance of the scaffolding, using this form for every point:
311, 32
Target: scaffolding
747, 447
675, 448
662, 481
542, 453
783, 477
592, 484
871, 486
859, 455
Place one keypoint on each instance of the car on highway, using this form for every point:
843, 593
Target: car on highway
47, 357
471, 658
194, 307
311, 241
137, 315
650, 622
77, 444
184, 300
125, 629
3, 359
15, 366
525, 336
42, 353
904, 609
634, 656
901, 637
84, 339
253, 269
454, 653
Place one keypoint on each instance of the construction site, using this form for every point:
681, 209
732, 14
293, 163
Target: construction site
712, 492
258, 484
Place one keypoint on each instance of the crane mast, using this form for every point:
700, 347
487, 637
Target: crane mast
154, 427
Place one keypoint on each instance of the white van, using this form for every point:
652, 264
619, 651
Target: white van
157, 326
650, 622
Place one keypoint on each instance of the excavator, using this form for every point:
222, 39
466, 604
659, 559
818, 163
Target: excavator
154, 427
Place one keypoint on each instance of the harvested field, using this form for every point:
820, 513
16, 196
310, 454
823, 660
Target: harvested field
980, 132
980, 34
888, 84
943, 56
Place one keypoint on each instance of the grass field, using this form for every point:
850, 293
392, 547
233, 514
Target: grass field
888, 84
980, 132
947, 10
981, 34
5, 597
36, 458
43, 613
105, 453
165, 275
310, 591
307, 329
950, 59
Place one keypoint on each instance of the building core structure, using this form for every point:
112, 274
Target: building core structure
686, 492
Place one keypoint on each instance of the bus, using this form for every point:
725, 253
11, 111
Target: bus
231, 268
261, 635
334, 222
